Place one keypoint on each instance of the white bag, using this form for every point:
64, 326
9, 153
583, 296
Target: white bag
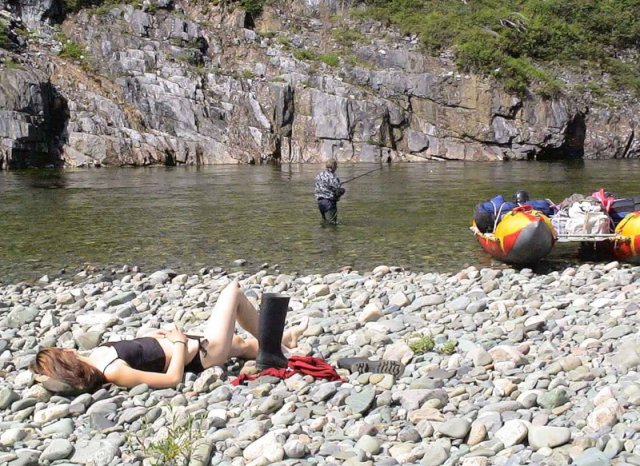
587, 218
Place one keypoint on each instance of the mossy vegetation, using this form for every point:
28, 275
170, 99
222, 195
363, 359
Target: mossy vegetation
309, 55
11, 64
347, 37
5, 41
101, 6
305, 55
520, 41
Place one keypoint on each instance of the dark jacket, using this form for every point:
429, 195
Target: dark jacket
328, 186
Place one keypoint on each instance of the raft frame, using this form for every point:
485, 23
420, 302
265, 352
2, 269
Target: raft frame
562, 237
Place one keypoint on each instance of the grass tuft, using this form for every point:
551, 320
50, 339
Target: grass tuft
421, 344
449, 347
329, 59
175, 448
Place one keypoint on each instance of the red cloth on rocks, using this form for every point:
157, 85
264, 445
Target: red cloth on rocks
305, 365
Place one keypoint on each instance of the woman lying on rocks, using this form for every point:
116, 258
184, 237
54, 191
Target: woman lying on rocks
161, 358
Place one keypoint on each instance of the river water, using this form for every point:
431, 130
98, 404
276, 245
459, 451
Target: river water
412, 215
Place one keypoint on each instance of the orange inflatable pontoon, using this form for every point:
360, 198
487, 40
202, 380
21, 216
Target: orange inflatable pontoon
626, 244
523, 236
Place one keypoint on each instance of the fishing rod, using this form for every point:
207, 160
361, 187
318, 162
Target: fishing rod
359, 176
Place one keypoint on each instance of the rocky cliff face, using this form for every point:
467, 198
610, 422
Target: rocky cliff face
185, 82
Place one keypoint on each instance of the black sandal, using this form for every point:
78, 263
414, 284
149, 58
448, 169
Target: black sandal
362, 365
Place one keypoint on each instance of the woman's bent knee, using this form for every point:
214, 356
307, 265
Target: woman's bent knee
232, 290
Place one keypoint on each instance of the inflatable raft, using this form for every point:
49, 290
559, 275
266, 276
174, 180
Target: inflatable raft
523, 236
626, 243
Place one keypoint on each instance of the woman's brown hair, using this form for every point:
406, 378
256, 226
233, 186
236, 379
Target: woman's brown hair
64, 366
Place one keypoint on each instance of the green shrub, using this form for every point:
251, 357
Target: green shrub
101, 6
76, 5
285, 41
347, 37
152, 8
309, 55
70, 48
514, 40
421, 344
449, 347
5, 42
479, 51
549, 88
191, 57
624, 75
305, 54
595, 89
252, 6
329, 59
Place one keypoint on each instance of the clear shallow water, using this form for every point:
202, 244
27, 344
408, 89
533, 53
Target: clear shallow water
412, 215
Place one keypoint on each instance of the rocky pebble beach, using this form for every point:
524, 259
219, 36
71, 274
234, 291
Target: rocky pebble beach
503, 367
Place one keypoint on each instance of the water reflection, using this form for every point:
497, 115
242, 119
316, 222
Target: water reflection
43, 178
412, 215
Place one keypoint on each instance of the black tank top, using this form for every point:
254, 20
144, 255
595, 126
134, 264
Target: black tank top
143, 354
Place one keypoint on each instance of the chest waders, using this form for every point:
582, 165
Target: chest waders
328, 210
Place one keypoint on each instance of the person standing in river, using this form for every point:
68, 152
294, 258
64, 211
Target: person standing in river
328, 191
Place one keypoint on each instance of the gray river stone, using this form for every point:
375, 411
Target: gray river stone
359, 402
548, 436
434, 455
295, 449
20, 316
132, 414
7, 397
455, 428
62, 428
369, 444
592, 457
58, 449
26, 457
553, 398
323, 392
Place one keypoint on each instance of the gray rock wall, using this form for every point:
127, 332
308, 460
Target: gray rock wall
31, 117
188, 83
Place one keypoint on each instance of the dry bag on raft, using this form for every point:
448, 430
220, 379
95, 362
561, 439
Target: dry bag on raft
581, 215
620, 208
487, 214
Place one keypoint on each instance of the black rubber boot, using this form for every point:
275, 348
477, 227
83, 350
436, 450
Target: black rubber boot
273, 312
